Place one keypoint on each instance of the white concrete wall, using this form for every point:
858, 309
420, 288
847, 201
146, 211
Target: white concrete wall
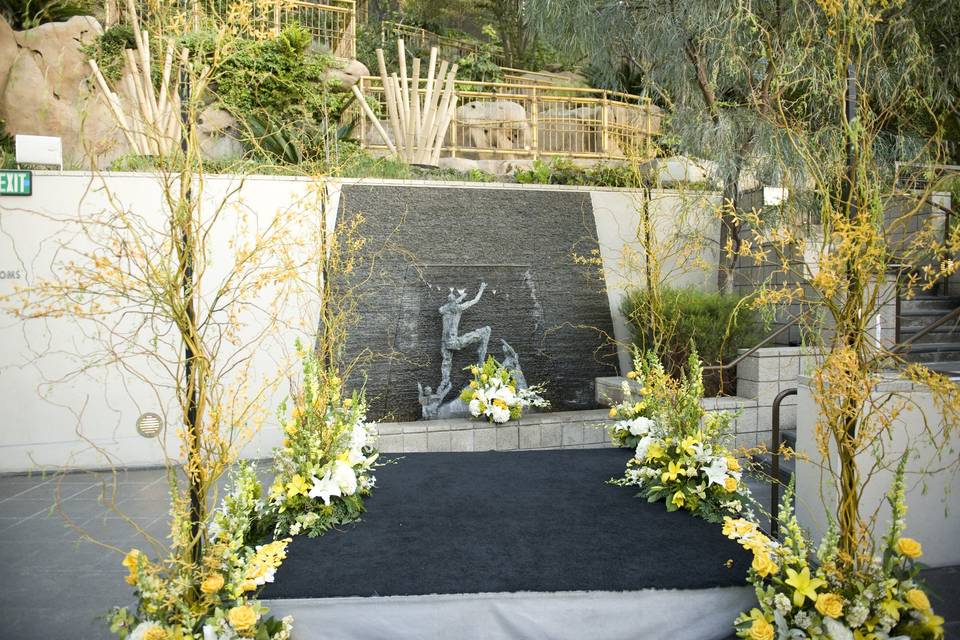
933, 501
63, 404
685, 229
87, 419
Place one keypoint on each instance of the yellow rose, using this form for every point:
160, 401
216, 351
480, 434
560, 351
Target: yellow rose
918, 599
730, 484
613, 412
909, 547
829, 604
155, 633
347, 403
678, 498
473, 384
761, 630
291, 427
242, 618
631, 375
733, 464
763, 565
212, 584
248, 585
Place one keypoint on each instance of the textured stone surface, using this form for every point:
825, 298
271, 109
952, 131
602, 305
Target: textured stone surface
50, 91
553, 311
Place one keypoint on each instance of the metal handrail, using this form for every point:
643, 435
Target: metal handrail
750, 351
775, 459
947, 317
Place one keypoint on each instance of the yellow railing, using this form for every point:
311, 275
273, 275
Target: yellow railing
504, 120
450, 48
332, 23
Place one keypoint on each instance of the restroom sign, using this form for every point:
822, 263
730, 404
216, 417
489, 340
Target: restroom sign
16, 183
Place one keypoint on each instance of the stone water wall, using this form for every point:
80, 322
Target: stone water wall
551, 308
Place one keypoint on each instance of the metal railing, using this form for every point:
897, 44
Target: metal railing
450, 48
504, 120
332, 23
775, 459
749, 352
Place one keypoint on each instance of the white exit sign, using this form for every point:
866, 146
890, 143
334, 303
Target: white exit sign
16, 183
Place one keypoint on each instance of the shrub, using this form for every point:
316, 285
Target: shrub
561, 171
27, 14
107, 50
715, 324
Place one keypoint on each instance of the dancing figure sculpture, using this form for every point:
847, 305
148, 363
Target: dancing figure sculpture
451, 340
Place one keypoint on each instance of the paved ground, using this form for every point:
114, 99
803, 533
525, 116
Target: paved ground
58, 586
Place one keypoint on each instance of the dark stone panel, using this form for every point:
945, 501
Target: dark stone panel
421, 241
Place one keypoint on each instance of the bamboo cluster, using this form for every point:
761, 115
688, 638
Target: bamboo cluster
419, 122
151, 120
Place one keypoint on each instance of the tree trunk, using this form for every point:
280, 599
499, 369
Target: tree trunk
729, 233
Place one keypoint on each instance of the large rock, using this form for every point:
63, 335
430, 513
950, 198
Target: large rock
8, 51
50, 91
496, 125
217, 132
679, 170
345, 74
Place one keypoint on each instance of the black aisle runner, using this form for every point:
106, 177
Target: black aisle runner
506, 522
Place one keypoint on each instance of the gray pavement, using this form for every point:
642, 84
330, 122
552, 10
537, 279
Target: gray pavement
57, 585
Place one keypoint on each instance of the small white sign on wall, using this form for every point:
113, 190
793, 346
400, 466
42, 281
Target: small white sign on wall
39, 150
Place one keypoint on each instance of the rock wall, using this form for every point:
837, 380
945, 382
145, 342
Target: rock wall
46, 89
550, 308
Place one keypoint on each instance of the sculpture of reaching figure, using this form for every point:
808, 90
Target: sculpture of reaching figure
451, 340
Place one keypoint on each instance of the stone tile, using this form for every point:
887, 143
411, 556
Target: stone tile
413, 442
391, 443
414, 427
438, 441
572, 435
462, 440
508, 438
593, 434
530, 436
485, 439
746, 440
389, 428
551, 435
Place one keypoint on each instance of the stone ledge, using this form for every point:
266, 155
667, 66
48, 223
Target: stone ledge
551, 430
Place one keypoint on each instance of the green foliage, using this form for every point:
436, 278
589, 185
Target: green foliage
107, 50
715, 325
481, 65
562, 171
27, 14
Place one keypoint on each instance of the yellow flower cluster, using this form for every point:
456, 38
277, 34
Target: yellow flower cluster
265, 561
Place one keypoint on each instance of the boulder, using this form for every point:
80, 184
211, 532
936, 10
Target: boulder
345, 74
217, 132
679, 170
498, 124
8, 51
49, 90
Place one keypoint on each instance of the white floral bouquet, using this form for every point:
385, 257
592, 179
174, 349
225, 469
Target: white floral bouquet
495, 394
801, 595
215, 599
325, 466
679, 455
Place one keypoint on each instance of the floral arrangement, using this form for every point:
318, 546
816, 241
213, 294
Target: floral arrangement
819, 597
495, 393
325, 466
214, 599
679, 454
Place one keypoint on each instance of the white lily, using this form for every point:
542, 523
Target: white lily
325, 487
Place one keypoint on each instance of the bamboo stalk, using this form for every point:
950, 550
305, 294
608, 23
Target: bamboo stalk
373, 118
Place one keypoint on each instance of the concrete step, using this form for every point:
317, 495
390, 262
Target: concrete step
930, 303
949, 367
921, 351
